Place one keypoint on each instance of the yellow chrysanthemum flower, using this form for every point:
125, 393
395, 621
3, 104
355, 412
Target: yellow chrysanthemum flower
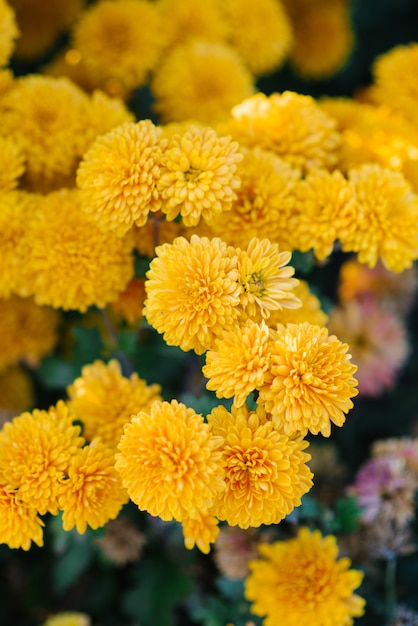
68, 619
291, 125
35, 452
120, 40
104, 113
238, 362
89, 266
265, 471
264, 201
266, 279
310, 382
29, 331
302, 581
198, 175
44, 116
200, 80
19, 521
324, 210
91, 493
186, 19
386, 219
170, 462
104, 400
310, 311
200, 531
129, 306
261, 32
118, 174
154, 233
17, 391
12, 164
8, 32
193, 292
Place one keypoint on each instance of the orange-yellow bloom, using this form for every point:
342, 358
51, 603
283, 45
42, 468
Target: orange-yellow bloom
200, 531
19, 521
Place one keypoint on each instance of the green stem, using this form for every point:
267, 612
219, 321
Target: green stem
390, 589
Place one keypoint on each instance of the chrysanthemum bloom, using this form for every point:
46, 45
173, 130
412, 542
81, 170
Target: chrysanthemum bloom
378, 342
104, 113
12, 164
264, 201
19, 521
266, 279
154, 233
118, 174
324, 208
120, 40
129, 305
68, 619
261, 33
198, 175
310, 380
8, 32
91, 493
323, 38
200, 531
310, 311
17, 391
30, 331
45, 117
291, 125
265, 471
302, 581
200, 80
387, 219
237, 364
185, 19
89, 266
405, 447
122, 542
234, 548
35, 452
104, 400
193, 293
170, 462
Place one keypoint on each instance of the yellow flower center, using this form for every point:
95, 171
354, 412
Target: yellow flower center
174, 459
242, 465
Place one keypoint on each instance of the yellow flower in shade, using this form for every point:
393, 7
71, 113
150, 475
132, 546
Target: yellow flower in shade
291, 125
325, 208
120, 41
185, 19
310, 311
238, 362
44, 116
302, 581
104, 113
386, 219
201, 531
68, 619
12, 164
170, 462
198, 175
154, 233
91, 493
8, 32
264, 201
193, 293
323, 39
104, 400
89, 266
117, 176
35, 453
261, 32
200, 80
130, 303
310, 381
265, 471
17, 392
266, 279
30, 331
19, 521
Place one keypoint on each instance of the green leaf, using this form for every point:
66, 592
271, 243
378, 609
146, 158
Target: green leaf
73, 562
56, 373
347, 515
88, 344
303, 262
127, 341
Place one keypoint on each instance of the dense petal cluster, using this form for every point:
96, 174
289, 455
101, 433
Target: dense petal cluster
302, 581
12, 164
310, 310
15, 207
170, 462
8, 31
19, 521
200, 531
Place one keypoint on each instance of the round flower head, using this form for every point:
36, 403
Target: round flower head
266, 279
104, 400
200, 531
19, 521
387, 219
30, 331
200, 80
324, 208
238, 362
198, 175
68, 619
302, 581
8, 32
265, 471
193, 292
310, 380
91, 493
12, 164
120, 40
45, 117
291, 125
182, 20
90, 266
117, 176
261, 33
169, 462
310, 311
35, 452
